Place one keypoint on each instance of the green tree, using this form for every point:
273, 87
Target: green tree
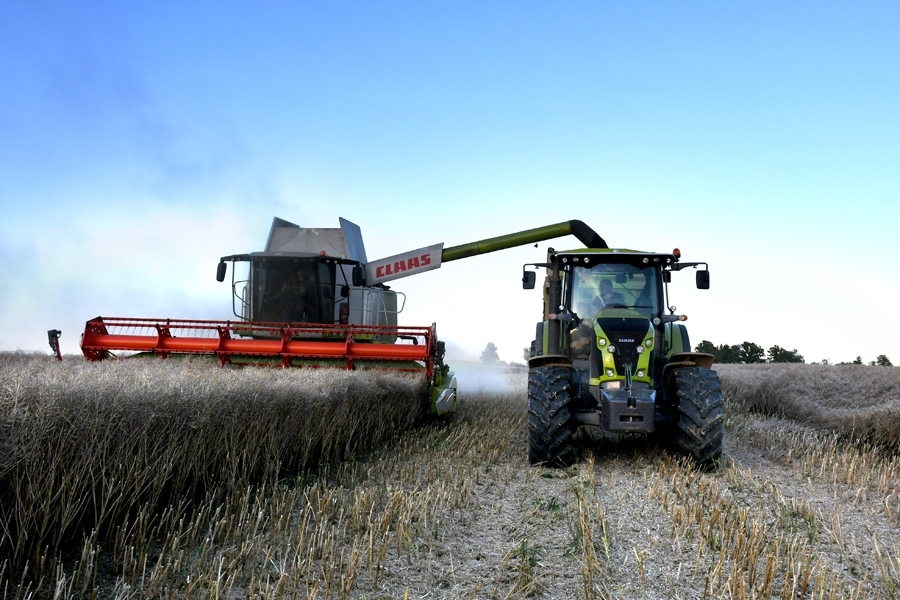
883, 361
729, 354
752, 353
857, 361
707, 347
777, 354
526, 353
489, 356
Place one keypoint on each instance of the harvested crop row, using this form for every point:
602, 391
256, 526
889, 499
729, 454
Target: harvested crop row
86, 447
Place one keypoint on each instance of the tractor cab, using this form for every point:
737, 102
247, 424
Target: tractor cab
594, 293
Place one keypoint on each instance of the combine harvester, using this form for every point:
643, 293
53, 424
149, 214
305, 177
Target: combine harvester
606, 353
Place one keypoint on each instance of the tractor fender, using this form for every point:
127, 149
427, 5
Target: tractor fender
686, 359
695, 359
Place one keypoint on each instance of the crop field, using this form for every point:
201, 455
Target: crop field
139, 479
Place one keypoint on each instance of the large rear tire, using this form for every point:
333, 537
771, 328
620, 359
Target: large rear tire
701, 422
549, 419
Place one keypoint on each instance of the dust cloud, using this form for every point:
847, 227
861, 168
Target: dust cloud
476, 377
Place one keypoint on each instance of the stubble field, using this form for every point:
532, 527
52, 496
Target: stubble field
138, 480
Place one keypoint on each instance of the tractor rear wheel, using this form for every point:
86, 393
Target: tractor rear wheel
549, 424
701, 421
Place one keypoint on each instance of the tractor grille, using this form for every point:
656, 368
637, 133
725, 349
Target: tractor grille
626, 333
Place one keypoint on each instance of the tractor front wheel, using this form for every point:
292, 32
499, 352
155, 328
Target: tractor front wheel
549, 424
701, 421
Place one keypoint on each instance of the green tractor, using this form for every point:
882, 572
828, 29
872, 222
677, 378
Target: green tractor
611, 353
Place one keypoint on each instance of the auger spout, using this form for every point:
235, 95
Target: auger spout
586, 235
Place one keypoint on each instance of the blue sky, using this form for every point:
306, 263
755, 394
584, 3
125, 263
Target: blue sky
138, 144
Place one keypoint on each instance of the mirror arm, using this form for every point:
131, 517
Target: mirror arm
680, 266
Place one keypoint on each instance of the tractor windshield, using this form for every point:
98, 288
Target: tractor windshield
607, 286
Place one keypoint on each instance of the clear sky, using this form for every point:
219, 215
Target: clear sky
139, 142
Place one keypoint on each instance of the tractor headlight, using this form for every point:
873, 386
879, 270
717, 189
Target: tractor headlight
640, 373
601, 341
612, 349
648, 342
640, 349
610, 373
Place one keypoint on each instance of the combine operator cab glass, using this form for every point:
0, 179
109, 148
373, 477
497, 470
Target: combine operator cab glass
613, 286
292, 291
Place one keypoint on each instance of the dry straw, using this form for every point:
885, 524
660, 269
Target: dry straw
799, 507
856, 400
86, 448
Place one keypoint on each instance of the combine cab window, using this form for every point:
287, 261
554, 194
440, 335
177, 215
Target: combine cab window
293, 291
609, 286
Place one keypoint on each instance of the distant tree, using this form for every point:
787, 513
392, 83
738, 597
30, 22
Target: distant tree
752, 353
526, 353
490, 356
729, 354
748, 352
777, 354
883, 361
825, 361
707, 347
857, 361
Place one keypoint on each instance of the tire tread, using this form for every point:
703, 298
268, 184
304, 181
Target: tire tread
549, 419
701, 420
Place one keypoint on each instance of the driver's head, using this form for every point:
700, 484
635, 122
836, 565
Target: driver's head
605, 286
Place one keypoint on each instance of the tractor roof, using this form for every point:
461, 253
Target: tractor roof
616, 255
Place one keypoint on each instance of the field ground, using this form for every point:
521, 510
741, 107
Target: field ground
452, 510
791, 512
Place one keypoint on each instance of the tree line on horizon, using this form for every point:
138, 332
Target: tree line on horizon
750, 353
743, 353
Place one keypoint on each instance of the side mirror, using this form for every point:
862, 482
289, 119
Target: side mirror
358, 279
220, 271
528, 280
702, 280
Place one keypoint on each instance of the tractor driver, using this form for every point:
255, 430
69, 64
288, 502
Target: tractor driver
607, 296
581, 335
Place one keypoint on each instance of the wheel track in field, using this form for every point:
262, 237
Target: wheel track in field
522, 531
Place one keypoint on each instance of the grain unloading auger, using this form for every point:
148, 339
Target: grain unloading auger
312, 299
